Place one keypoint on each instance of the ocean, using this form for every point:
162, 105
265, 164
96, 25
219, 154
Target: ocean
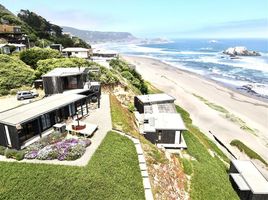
248, 74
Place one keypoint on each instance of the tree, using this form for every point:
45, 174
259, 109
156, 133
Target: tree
33, 55
13, 74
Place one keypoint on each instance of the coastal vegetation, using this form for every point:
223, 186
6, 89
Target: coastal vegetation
116, 154
233, 118
249, 152
129, 73
39, 31
13, 74
33, 55
204, 167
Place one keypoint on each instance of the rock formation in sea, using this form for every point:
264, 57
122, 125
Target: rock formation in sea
240, 51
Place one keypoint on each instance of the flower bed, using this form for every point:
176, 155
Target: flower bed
55, 146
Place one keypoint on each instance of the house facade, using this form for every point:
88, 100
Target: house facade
76, 52
21, 125
158, 120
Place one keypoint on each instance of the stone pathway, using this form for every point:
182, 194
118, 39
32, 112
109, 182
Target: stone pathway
142, 164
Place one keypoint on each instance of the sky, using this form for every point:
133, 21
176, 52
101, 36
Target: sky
156, 18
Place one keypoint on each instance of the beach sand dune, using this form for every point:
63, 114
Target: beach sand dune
188, 88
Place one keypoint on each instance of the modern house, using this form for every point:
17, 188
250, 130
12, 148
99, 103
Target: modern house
24, 124
69, 93
158, 120
247, 180
76, 52
75, 79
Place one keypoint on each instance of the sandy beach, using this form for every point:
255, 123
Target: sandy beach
189, 89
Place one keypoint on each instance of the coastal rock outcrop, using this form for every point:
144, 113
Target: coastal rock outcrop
240, 51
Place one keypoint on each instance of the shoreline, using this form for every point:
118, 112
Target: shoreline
228, 87
187, 86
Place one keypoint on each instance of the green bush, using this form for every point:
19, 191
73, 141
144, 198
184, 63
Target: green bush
15, 154
2, 150
33, 55
14, 74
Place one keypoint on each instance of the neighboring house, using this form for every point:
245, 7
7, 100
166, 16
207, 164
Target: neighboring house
158, 120
4, 49
247, 180
104, 53
76, 52
25, 124
19, 47
5, 28
60, 80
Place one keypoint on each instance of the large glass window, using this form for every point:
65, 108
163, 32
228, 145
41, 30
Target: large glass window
28, 131
46, 123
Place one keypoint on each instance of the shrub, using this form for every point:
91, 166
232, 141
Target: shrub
15, 154
33, 55
130, 74
2, 150
14, 74
20, 155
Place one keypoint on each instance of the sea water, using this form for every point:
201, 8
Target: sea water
205, 57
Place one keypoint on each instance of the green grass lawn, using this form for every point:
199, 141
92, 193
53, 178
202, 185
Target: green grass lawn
112, 173
250, 153
209, 178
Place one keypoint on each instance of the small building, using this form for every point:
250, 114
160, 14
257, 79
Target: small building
4, 49
158, 120
104, 53
21, 126
76, 52
247, 180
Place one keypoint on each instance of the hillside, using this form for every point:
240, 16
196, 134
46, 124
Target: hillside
39, 31
99, 36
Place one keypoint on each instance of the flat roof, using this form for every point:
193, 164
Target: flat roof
153, 98
68, 71
32, 110
72, 49
163, 121
252, 176
240, 182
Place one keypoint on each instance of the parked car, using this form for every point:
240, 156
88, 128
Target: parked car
26, 95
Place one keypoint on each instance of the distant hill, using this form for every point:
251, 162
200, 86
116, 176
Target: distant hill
39, 31
99, 36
